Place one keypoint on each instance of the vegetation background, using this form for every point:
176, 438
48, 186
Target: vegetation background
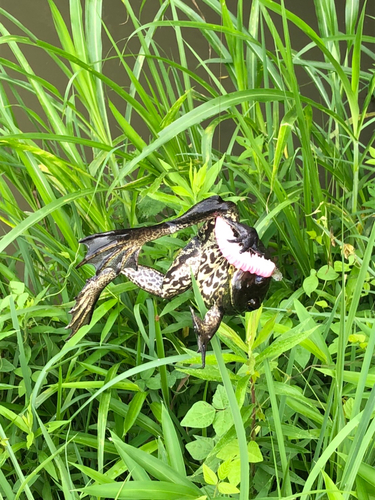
284, 409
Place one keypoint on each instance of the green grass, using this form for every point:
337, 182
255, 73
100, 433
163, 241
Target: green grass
284, 408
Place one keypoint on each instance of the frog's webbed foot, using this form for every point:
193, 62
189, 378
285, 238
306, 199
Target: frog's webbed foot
114, 249
108, 253
119, 249
246, 236
87, 298
206, 328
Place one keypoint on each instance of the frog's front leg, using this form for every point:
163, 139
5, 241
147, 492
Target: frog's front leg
206, 328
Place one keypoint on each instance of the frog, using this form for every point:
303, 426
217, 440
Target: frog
226, 258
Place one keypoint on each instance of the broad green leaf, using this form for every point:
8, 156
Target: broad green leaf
6, 366
227, 489
224, 469
255, 454
234, 474
200, 415
220, 398
209, 475
223, 421
310, 284
229, 450
327, 273
200, 448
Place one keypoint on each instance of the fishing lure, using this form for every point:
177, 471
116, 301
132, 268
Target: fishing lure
226, 258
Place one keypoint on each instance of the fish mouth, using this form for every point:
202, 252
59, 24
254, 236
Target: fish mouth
246, 261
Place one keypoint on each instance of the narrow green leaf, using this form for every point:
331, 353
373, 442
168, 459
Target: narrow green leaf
93, 474
103, 415
172, 443
197, 115
157, 490
33, 219
282, 139
287, 340
333, 492
138, 473
134, 408
155, 467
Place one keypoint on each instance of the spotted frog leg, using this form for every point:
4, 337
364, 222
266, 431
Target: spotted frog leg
206, 328
178, 279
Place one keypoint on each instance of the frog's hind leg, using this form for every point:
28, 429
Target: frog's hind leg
206, 328
176, 280
168, 286
87, 298
150, 280
108, 253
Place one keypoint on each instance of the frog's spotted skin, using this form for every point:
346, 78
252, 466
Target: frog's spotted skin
201, 257
212, 276
176, 280
224, 288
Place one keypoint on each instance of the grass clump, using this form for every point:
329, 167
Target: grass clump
285, 410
